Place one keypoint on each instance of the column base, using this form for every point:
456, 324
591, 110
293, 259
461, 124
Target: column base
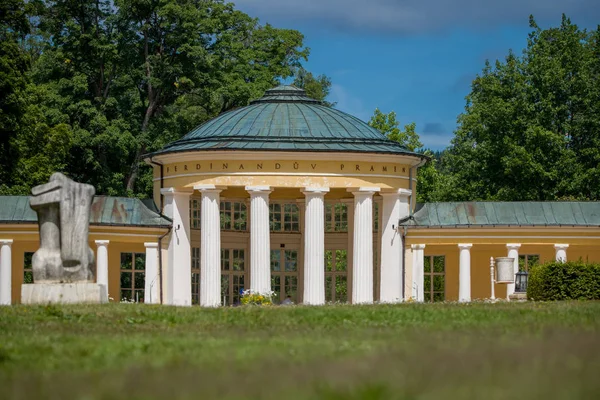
517, 297
63, 293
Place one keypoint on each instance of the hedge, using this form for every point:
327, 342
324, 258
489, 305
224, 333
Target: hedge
573, 280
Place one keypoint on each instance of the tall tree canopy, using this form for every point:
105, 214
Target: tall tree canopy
531, 127
116, 79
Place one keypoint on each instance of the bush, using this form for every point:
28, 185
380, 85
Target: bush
574, 280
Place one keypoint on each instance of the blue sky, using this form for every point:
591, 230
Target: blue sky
414, 57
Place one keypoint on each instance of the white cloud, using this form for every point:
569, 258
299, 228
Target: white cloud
417, 16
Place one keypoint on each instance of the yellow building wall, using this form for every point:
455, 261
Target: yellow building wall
121, 240
492, 243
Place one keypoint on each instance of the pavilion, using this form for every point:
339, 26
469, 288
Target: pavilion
291, 196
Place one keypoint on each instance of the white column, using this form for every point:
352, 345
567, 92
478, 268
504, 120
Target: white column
210, 247
5, 272
314, 246
152, 283
561, 252
362, 255
179, 272
395, 207
260, 245
102, 264
513, 252
418, 273
464, 274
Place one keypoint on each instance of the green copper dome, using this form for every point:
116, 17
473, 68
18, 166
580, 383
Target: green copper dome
285, 119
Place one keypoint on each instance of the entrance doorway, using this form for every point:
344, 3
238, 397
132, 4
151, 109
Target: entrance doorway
284, 274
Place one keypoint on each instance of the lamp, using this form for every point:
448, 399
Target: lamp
521, 281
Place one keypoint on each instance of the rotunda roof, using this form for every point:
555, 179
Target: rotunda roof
286, 119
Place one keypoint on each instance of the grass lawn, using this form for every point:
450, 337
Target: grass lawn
409, 351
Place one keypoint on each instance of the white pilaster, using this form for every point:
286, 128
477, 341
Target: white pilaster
314, 246
260, 244
418, 272
513, 252
464, 274
102, 264
152, 283
395, 207
362, 280
210, 247
179, 272
5, 272
561, 252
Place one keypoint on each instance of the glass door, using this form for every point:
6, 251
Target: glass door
284, 275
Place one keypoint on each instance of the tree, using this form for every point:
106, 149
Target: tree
14, 64
118, 79
316, 87
389, 126
531, 127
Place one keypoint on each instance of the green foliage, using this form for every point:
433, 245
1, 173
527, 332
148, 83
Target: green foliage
389, 126
531, 129
316, 87
98, 83
573, 280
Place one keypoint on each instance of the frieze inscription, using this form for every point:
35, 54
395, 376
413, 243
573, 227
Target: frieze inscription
251, 166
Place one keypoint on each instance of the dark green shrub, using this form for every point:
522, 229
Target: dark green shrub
574, 280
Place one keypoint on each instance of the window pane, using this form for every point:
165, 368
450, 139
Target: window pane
138, 296
328, 260
291, 260
532, 260
125, 280
225, 290
427, 283
140, 261
238, 260
439, 263
438, 296
328, 288
291, 286
341, 289
427, 297
276, 287
438, 283
341, 260
27, 276
275, 260
225, 259
139, 280
126, 260
125, 294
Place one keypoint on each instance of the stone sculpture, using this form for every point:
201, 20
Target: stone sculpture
63, 267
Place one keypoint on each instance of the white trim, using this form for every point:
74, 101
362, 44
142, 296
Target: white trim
225, 173
201, 155
91, 233
501, 237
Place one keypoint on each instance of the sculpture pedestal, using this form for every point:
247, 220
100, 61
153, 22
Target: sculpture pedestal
63, 293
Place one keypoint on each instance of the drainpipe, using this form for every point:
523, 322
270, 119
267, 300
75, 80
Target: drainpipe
160, 263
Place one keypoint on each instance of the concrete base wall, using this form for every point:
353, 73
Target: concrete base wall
63, 293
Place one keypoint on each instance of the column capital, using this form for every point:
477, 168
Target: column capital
100, 243
209, 188
401, 193
364, 190
150, 245
513, 246
465, 246
256, 190
6, 242
561, 246
417, 246
171, 191
315, 191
